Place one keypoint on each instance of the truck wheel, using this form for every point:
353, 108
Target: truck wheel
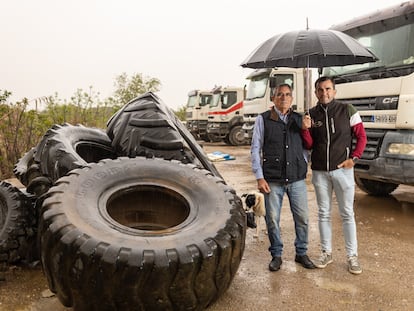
62, 149
374, 187
227, 140
236, 136
17, 224
141, 234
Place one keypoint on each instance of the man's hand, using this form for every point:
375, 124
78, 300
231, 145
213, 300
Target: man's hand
306, 122
263, 186
348, 163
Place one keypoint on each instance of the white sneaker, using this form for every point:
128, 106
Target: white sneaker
324, 260
353, 265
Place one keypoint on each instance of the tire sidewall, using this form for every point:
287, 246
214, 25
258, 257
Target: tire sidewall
85, 200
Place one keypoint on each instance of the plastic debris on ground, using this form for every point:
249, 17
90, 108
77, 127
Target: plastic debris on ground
219, 156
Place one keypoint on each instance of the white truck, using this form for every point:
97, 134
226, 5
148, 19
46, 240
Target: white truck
383, 93
261, 84
197, 113
225, 115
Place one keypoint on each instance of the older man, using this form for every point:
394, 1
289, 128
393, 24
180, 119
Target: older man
280, 168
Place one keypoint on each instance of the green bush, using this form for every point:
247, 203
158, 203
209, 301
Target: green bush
23, 124
21, 129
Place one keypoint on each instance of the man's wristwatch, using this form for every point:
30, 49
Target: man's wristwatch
355, 159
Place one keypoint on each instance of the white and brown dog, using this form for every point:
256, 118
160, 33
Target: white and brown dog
255, 205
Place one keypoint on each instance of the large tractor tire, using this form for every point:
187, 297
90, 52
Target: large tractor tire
62, 149
146, 127
17, 225
141, 234
374, 187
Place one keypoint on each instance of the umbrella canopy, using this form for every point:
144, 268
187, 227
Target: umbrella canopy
309, 48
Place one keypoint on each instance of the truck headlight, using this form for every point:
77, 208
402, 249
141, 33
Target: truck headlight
403, 149
213, 125
224, 117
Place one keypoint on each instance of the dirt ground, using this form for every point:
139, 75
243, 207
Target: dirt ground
386, 252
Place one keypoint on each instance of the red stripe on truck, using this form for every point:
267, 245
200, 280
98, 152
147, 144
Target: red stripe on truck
230, 110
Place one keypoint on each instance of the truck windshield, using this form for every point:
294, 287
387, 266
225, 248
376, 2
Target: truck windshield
205, 99
229, 99
192, 101
257, 87
215, 100
393, 47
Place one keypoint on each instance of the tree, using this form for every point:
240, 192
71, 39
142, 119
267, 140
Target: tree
180, 113
22, 126
4, 96
128, 88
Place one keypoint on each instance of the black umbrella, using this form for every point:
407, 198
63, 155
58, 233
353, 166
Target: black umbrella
309, 48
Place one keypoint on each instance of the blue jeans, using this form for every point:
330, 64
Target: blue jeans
341, 181
298, 202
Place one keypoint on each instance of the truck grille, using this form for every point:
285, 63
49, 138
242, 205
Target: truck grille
374, 142
373, 103
361, 103
251, 115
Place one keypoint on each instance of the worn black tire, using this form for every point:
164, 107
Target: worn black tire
141, 234
374, 187
147, 127
17, 225
227, 140
62, 149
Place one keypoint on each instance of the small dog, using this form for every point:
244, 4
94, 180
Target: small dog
255, 208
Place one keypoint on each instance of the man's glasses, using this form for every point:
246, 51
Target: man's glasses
284, 94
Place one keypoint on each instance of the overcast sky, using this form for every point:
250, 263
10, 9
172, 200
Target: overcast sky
50, 46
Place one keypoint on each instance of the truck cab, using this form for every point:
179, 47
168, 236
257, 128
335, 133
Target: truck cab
197, 113
225, 115
383, 93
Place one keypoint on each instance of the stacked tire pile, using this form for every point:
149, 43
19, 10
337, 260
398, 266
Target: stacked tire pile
134, 218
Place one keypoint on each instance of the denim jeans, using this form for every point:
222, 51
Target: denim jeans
341, 181
298, 202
